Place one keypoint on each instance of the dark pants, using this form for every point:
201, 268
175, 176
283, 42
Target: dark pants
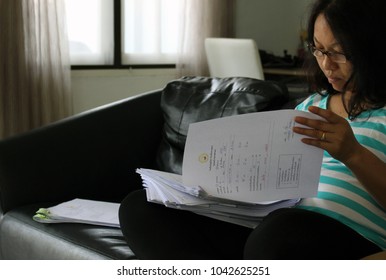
156, 232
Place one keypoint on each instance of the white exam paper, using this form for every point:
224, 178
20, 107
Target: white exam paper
252, 158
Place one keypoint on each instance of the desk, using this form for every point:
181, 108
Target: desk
293, 78
284, 71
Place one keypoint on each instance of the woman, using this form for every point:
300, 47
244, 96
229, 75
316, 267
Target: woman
347, 220
346, 41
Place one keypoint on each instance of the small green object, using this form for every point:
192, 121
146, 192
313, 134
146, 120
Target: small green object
42, 214
43, 211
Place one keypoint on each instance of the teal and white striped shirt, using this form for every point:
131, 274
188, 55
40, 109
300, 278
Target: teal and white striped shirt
340, 194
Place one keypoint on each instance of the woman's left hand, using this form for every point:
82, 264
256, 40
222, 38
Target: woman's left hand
333, 135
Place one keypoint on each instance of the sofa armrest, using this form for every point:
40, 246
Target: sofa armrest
92, 155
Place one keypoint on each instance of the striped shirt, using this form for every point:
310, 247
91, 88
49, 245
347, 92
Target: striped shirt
340, 194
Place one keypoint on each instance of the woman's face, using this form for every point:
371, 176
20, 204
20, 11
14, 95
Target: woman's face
337, 73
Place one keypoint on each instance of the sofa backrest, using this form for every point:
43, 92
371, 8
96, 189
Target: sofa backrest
91, 155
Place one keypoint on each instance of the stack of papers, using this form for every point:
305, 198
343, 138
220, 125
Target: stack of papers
80, 211
168, 189
240, 168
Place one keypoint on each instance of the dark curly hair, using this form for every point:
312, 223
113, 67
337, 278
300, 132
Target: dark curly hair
360, 28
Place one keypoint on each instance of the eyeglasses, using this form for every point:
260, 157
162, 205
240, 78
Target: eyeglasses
334, 56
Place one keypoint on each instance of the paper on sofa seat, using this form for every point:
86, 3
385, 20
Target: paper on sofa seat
80, 211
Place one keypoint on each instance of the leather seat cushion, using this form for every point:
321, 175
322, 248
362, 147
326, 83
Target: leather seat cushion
23, 238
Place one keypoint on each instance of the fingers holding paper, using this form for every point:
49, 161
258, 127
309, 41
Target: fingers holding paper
332, 134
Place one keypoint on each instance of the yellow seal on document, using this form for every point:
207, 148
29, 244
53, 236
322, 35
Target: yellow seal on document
203, 158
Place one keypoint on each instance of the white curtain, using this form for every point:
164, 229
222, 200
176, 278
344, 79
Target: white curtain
202, 19
34, 65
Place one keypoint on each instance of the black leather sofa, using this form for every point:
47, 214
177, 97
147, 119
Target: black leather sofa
92, 155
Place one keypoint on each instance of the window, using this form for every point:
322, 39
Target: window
123, 32
150, 31
90, 26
